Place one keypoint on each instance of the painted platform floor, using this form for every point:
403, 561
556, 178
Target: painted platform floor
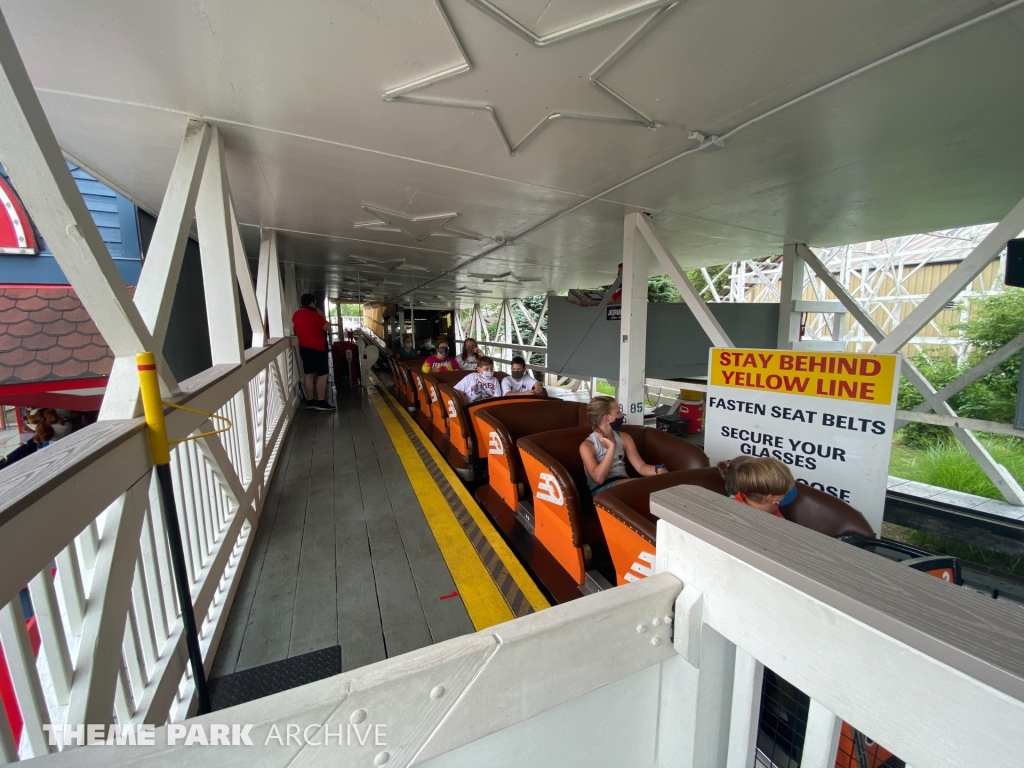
343, 554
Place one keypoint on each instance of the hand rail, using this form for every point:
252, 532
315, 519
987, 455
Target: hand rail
88, 503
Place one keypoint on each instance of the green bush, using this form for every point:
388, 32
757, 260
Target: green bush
995, 320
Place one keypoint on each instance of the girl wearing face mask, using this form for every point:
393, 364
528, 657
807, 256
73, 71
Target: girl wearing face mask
468, 358
440, 360
605, 450
481, 384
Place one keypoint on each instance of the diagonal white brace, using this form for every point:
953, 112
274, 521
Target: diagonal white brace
37, 166
154, 295
997, 473
158, 281
708, 321
216, 249
968, 269
244, 277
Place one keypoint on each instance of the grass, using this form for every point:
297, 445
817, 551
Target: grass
605, 388
948, 465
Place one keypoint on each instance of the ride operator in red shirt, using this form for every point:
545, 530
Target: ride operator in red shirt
310, 326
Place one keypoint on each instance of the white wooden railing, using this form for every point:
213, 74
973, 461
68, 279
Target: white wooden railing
112, 648
666, 671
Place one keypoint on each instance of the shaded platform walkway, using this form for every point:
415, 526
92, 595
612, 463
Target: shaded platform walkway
343, 555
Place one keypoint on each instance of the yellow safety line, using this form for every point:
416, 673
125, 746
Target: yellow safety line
479, 593
512, 565
508, 558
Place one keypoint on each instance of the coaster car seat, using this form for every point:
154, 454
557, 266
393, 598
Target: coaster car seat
506, 422
565, 522
629, 528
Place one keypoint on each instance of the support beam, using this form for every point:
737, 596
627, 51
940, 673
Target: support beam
748, 677
34, 160
633, 329
277, 317
158, 281
700, 310
216, 248
291, 297
792, 291
997, 473
821, 739
968, 269
244, 277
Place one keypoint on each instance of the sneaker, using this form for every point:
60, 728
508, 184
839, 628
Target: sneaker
322, 405
310, 405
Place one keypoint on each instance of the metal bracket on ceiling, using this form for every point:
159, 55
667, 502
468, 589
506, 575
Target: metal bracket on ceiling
660, 8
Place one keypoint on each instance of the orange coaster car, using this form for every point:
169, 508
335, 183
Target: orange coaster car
624, 511
437, 411
466, 453
566, 524
502, 424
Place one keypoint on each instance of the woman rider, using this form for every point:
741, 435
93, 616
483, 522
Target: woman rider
605, 450
469, 355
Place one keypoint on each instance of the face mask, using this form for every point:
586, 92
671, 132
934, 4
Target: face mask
517, 375
442, 351
486, 375
789, 497
617, 423
408, 345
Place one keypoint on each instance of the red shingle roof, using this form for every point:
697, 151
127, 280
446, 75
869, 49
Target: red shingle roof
46, 335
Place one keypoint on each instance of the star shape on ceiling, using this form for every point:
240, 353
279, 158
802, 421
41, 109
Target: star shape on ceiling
376, 265
402, 93
419, 228
505, 277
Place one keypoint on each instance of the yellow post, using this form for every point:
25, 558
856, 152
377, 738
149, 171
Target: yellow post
149, 384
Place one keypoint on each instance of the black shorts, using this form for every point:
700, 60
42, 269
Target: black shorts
313, 361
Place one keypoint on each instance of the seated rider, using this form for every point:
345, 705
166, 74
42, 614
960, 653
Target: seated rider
408, 349
519, 382
605, 450
441, 360
470, 352
762, 483
481, 383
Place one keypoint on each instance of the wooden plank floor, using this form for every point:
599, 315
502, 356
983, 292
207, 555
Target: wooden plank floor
343, 554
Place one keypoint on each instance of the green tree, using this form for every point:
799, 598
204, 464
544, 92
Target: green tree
661, 290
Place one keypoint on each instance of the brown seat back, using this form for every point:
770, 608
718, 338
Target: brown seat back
506, 422
461, 433
657, 447
631, 502
823, 513
811, 508
437, 409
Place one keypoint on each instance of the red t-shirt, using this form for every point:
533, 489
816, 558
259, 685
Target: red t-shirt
309, 327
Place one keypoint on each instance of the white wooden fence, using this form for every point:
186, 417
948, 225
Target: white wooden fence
81, 524
667, 671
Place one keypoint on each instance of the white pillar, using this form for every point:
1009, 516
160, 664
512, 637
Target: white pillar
633, 338
792, 290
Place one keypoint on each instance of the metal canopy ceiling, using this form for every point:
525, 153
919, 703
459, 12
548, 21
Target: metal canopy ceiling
841, 122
